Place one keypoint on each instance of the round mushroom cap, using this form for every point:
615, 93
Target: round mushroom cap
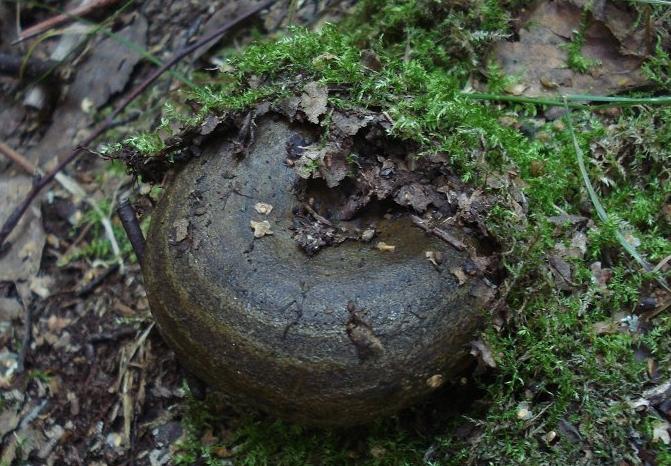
342, 337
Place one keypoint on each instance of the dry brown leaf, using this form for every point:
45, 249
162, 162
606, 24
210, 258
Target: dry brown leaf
349, 124
480, 350
313, 100
414, 195
605, 327
614, 41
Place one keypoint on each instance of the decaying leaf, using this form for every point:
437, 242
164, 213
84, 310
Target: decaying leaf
561, 270
263, 208
313, 100
261, 229
660, 432
110, 66
616, 42
483, 353
22, 261
349, 124
414, 195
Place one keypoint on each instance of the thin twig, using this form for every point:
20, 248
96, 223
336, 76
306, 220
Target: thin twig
131, 225
16, 66
437, 232
27, 337
96, 282
113, 335
64, 18
106, 124
18, 159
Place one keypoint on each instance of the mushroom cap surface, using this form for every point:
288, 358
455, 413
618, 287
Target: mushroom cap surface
340, 338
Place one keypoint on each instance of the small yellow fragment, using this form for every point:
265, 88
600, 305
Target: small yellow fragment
384, 247
263, 208
261, 229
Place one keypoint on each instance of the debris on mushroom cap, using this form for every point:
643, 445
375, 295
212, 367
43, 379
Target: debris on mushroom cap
523, 412
435, 257
181, 229
458, 272
261, 229
263, 208
384, 247
368, 234
435, 381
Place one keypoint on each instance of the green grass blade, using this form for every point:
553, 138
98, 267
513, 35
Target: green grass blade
574, 100
596, 202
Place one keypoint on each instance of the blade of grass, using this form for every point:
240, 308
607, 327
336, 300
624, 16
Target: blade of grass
574, 100
520, 99
653, 2
596, 202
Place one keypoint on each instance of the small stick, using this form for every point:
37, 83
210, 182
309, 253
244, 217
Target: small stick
112, 336
27, 337
18, 159
14, 65
442, 234
317, 216
63, 18
106, 124
131, 225
96, 282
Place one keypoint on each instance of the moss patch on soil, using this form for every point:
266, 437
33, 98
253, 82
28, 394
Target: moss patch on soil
570, 356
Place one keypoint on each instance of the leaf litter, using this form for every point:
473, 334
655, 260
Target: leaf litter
613, 40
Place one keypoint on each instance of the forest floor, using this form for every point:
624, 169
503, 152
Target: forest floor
573, 363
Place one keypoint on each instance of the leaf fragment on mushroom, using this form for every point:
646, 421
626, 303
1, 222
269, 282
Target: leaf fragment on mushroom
435, 257
181, 229
435, 381
263, 208
261, 229
384, 247
458, 272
